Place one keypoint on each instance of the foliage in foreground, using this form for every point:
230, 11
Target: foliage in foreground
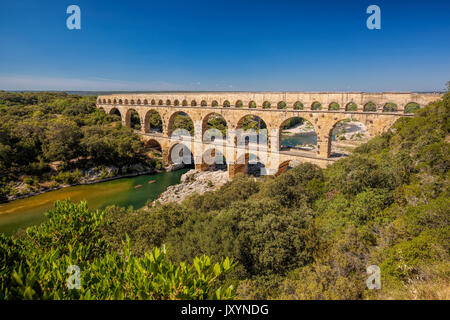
35, 265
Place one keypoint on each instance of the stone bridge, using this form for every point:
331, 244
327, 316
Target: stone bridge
377, 111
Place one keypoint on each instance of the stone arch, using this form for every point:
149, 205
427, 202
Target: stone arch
99, 100
221, 123
297, 133
153, 144
132, 119
193, 103
176, 123
132, 102
226, 104
286, 165
180, 153
266, 105
411, 107
281, 105
145, 102
333, 106
257, 124
351, 106
115, 111
316, 105
109, 101
101, 109
250, 118
370, 107
153, 122
390, 107
120, 101
298, 105
160, 102
126, 101
138, 101
104, 101
203, 103
114, 101
344, 134
168, 102
238, 104
184, 103
176, 102
252, 104
153, 102
214, 103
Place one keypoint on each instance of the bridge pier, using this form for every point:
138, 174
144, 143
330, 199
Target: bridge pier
234, 169
202, 166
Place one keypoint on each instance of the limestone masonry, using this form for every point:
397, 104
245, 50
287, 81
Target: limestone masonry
377, 111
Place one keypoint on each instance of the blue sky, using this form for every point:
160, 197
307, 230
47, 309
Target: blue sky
225, 45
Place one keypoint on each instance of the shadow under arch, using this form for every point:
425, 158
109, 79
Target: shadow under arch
132, 119
180, 120
411, 107
390, 107
285, 166
214, 120
253, 128
153, 144
116, 112
153, 122
370, 107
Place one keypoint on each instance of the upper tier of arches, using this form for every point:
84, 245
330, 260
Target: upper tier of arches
350, 102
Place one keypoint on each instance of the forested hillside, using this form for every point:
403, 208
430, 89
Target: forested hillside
307, 234
49, 138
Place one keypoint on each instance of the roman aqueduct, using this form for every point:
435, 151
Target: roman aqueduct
377, 111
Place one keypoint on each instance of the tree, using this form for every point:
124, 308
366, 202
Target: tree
61, 140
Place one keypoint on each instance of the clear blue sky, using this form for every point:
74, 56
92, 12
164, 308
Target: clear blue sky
225, 45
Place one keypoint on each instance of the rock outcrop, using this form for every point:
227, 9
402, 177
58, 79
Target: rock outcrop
192, 182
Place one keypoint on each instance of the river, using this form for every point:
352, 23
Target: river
122, 192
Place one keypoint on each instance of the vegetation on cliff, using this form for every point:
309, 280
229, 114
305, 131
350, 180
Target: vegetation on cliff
51, 137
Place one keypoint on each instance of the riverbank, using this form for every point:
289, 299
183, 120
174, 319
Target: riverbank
89, 176
123, 192
305, 127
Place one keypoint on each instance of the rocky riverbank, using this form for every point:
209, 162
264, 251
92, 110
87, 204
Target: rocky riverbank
192, 182
305, 127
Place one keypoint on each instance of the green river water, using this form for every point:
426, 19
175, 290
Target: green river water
122, 192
